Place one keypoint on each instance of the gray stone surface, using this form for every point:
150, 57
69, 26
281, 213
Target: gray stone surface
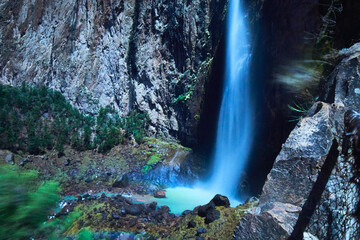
128, 54
292, 178
312, 191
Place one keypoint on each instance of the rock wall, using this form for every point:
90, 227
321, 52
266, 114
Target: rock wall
312, 191
153, 56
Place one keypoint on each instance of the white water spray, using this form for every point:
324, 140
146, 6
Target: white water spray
234, 127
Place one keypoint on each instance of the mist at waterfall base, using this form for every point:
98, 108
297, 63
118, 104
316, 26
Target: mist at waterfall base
234, 125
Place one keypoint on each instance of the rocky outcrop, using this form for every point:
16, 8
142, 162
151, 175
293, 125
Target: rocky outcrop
297, 171
153, 56
336, 216
312, 190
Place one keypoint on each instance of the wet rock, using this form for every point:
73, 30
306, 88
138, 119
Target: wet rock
9, 158
160, 194
164, 209
119, 198
92, 197
152, 205
220, 200
102, 196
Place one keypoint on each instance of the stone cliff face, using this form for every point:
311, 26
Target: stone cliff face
312, 191
152, 56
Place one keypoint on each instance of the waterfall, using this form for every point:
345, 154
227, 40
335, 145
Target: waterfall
234, 127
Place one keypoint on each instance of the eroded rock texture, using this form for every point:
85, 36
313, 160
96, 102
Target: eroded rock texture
129, 54
312, 191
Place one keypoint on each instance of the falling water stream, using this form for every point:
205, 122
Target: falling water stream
234, 125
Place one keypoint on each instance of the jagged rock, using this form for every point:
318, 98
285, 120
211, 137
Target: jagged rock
334, 216
160, 194
297, 178
310, 192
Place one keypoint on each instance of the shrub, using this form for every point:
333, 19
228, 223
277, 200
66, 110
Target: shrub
25, 202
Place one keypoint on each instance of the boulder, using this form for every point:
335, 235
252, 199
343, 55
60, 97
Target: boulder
220, 200
160, 194
204, 209
212, 215
9, 158
135, 209
209, 212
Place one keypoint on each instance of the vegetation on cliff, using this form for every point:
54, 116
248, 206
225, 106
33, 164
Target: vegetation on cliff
34, 119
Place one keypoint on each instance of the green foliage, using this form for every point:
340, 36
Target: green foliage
135, 125
25, 202
300, 110
184, 97
58, 227
152, 161
85, 235
34, 119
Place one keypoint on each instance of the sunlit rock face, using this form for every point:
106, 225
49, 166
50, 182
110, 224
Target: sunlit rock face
129, 54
